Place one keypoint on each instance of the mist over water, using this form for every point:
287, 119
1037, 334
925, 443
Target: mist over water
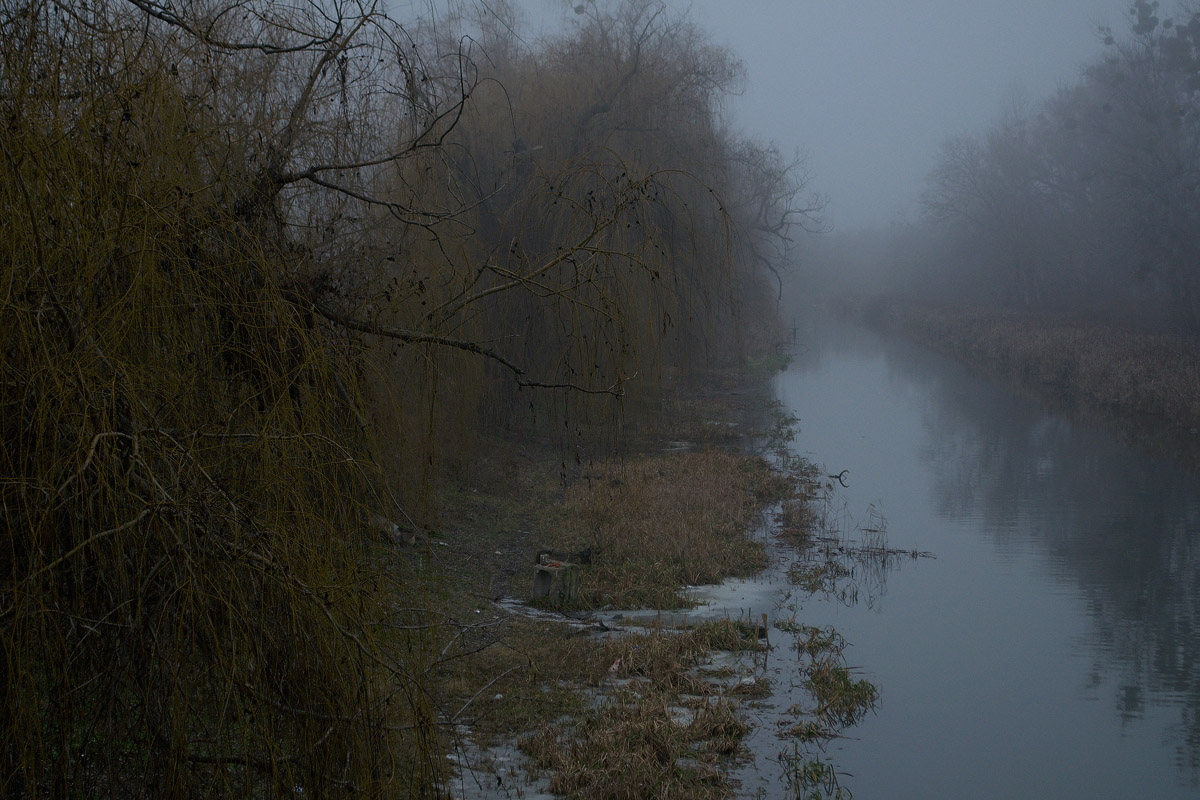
1051, 647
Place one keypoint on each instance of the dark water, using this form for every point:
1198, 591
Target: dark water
1052, 648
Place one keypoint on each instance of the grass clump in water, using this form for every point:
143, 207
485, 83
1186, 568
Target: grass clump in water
842, 701
730, 635
664, 656
814, 779
819, 577
636, 747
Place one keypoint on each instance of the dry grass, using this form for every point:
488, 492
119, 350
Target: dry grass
622, 717
633, 748
514, 675
537, 672
661, 734
663, 522
798, 518
1129, 372
662, 656
635, 715
543, 663
730, 635
640, 715
628, 715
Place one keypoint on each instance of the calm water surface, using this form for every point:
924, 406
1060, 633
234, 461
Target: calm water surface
1052, 647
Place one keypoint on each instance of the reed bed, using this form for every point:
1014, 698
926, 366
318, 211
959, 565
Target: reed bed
1125, 371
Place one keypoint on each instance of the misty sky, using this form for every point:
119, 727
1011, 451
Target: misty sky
869, 89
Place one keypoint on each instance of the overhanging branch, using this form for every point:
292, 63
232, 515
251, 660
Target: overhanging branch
416, 337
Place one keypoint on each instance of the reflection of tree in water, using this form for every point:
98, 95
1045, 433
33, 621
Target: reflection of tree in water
1126, 527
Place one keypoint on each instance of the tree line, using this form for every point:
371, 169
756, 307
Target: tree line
266, 270
1086, 202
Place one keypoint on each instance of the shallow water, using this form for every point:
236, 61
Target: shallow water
1052, 647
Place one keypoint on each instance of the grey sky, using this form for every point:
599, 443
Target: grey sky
869, 89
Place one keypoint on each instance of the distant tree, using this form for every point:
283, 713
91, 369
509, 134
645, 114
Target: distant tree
997, 186
773, 202
1144, 132
1068, 203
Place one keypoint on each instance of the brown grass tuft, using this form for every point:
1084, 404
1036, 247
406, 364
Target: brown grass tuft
663, 522
634, 748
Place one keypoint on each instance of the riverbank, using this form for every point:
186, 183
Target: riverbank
600, 705
1145, 387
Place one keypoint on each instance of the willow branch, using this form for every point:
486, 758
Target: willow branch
416, 337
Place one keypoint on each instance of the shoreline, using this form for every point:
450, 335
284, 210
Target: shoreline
1144, 388
596, 690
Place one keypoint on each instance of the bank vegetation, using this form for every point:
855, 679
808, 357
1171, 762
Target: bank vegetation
1128, 373
270, 274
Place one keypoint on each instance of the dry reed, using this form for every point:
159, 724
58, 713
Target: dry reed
1125, 371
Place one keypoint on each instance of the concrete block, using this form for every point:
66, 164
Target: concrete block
556, 581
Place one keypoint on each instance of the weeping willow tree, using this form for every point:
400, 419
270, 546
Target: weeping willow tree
192, 600
624, 230
261, 267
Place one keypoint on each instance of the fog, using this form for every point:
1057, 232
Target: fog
868, 90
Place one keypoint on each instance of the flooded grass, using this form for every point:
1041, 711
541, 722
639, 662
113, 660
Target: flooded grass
821, 576
641, 705
629, 715
639, 714
815, 779
731, 635
633, 747
839, 702
664, 656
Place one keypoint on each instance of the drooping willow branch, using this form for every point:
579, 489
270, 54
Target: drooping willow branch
417, 337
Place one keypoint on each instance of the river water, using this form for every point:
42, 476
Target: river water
1052, 646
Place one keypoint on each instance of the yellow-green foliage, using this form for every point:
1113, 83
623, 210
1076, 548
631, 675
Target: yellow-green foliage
610, 182
191, 601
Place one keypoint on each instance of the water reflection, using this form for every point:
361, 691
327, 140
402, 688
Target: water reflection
1122, 527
